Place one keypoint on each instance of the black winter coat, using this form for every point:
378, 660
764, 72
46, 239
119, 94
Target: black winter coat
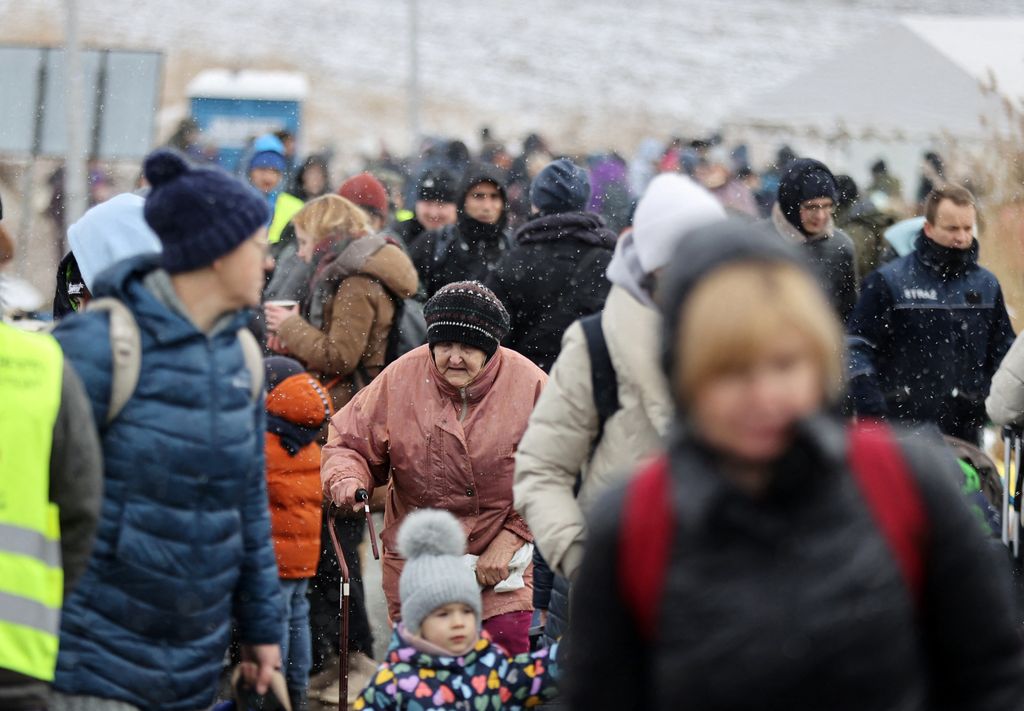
466, 251
553, 276
794, 601
408, 231
927, 336
69, 279
832, 257
469, 250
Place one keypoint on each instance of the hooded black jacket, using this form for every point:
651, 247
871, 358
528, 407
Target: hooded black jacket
408, 231
553, 276
795, 602
69, 283
832, 254
467, 250
793, 599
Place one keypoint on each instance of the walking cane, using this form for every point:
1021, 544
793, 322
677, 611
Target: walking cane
345, 589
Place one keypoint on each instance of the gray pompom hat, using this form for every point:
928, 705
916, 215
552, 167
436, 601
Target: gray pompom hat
435, 574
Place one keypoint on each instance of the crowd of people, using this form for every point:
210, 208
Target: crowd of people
650, 435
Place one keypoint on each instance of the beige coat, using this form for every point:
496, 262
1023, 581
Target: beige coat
563, 426
1005, 402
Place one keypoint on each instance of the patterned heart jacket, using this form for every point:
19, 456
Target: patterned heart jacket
487, 678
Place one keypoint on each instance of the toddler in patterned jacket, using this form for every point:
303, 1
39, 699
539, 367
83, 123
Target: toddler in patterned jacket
438, 657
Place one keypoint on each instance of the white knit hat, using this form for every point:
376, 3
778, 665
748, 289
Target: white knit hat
672, 207
435, 574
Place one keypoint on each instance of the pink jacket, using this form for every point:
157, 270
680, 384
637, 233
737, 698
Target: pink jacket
443, 448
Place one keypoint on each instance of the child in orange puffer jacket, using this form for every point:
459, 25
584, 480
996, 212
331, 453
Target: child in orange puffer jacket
297, 408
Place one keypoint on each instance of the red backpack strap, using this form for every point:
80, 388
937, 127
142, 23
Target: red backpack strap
645, 543
892, 494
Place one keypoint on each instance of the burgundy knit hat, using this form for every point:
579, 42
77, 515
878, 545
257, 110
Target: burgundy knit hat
367, 192
466, 312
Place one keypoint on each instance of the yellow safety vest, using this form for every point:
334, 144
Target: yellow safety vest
31, 576
284, 210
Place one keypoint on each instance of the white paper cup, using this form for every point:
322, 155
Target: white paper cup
283, 303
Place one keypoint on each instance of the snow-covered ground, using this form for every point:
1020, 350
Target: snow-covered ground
584, 71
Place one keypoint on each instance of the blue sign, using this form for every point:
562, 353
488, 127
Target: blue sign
234, 107
230, 125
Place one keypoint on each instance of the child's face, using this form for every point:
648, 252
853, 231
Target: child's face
451, 627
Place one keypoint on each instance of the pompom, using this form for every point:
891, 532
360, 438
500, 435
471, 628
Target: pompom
164, 165
430, 532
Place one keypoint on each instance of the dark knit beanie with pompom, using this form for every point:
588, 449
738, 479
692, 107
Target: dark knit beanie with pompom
466, 312
199, 214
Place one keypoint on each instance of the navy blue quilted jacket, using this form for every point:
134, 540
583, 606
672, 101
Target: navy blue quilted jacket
184, 541
927, 335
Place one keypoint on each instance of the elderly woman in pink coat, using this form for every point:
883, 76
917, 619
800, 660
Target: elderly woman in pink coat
443, 423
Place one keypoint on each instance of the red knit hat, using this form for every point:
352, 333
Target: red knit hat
367, 192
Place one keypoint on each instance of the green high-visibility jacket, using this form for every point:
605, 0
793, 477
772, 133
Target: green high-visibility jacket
285, 208
31, 576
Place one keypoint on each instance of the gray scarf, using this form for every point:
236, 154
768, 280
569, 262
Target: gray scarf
349, 262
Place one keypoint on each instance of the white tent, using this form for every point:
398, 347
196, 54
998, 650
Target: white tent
915, 85
920, 78
979, 45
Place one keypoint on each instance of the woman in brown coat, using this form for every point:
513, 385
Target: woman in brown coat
341, 337
342, 333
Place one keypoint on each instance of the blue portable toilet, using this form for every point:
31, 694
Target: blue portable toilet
234, 107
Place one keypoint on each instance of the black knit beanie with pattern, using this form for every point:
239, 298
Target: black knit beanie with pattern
466, 312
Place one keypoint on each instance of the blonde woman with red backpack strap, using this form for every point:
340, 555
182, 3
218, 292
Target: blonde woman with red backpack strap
777, 557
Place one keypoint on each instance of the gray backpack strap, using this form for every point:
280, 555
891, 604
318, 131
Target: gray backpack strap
126, 350
253, 355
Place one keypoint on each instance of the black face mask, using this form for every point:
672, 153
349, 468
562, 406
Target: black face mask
473, 230
947, 261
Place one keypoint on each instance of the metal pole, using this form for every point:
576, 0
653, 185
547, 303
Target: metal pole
28, 185
74, 170
414, 73
101, 99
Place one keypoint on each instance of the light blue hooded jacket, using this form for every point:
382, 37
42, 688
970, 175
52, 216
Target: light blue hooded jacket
109, 233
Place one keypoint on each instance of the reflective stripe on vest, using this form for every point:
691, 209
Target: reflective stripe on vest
31, 576
285, 209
